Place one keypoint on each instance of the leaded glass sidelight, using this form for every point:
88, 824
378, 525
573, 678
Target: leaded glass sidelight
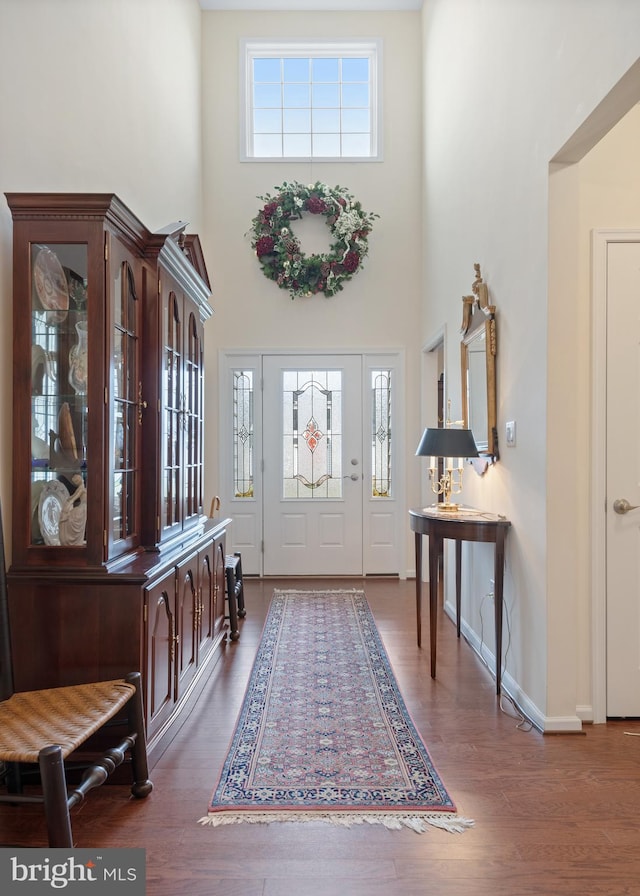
243, 446
381, 433
312, 434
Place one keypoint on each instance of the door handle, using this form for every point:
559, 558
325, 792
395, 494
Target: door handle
621, 505
353, 476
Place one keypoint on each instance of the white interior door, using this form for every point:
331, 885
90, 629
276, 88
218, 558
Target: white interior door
623, 479
312, 465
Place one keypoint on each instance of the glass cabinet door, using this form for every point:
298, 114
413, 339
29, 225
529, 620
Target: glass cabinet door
182, 416
127, 406
59, 382
173, 414
194, 422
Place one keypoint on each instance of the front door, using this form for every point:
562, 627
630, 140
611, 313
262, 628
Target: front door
313, 465
623, 479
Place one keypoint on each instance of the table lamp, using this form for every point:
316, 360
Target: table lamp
453, 445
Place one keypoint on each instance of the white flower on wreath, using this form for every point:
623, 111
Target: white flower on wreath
347, 223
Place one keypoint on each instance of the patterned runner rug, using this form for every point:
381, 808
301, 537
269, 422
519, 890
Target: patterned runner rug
324, 733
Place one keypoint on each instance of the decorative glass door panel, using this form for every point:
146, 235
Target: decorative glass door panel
59, 381
312, 434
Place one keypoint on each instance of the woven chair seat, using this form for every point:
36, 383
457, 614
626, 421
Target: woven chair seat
65, 716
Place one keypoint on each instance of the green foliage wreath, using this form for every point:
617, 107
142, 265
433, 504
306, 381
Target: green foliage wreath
279, 251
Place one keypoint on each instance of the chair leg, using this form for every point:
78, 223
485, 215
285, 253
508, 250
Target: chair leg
142, 786
232, 602
54, 790
240, 587
13, 777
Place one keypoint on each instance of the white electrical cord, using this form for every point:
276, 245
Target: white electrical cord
524, 723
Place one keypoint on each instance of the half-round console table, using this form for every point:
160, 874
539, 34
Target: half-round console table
467, 524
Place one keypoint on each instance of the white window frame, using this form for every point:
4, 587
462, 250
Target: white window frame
249, 49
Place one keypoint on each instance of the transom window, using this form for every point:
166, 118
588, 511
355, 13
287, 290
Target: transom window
311, 100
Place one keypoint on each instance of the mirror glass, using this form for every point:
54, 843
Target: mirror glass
479, 348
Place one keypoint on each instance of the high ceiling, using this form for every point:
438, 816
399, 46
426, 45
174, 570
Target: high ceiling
314, 5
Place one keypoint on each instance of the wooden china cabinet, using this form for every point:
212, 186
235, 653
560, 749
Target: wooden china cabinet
115, 566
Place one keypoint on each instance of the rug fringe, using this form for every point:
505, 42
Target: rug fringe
318, 591
419, 823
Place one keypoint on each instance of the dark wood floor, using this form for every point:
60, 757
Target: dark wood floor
553, 815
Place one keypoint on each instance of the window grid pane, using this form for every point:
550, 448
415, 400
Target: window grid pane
316, 100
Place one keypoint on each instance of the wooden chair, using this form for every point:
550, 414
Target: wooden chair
234, 592
41, 729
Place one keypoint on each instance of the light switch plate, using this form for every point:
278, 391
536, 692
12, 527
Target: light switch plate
511, 433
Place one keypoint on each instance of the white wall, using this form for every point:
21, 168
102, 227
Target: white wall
506, 85
381, 305
96, 96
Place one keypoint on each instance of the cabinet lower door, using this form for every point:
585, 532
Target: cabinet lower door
219, 582
161, 653
188, 622
206, 583
211, 584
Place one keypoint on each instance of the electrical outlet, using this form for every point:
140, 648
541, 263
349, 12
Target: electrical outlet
511, 433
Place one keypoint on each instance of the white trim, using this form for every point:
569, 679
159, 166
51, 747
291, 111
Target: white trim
394, 360
510, 687
229, 359
252, 507
600, 240
428, 400
367, 48
314, 5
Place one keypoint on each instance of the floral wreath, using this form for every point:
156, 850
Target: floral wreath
278, 248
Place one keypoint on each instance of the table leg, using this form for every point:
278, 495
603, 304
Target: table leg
498, 603
435, 547
419, 587
458, 584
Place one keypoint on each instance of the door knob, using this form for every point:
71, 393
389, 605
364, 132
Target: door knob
621, 505
354, 477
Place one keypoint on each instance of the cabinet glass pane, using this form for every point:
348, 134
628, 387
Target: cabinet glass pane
59, 380
123, 503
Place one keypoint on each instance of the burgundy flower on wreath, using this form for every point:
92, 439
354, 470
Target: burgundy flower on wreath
316, 206
278, 249
269, 210
351, 262
264, 246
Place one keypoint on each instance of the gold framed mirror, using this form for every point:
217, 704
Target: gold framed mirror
478, 354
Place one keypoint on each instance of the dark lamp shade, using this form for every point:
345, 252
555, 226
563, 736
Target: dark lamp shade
447, 443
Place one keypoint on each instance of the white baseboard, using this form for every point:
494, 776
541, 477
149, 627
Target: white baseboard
545, 724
